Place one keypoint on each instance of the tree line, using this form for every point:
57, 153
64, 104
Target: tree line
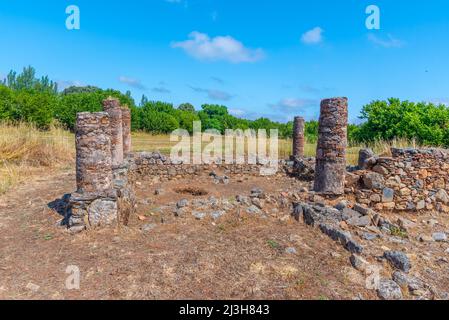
26, 98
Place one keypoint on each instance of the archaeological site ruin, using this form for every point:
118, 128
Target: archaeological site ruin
349, 204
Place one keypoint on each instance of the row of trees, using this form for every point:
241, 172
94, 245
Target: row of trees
24, 97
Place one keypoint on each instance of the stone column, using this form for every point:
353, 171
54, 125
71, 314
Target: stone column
298, 137
93, 153
330, 169
112, 107
126, 118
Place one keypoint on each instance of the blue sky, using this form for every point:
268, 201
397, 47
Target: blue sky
273, 58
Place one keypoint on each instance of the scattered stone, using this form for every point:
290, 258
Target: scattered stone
33, 287
407, 282
341, 205
362, 209
217, 214
257, 193
348, 214
398, 260
442, 196
182, 203
439, 237
244, 200
389, 290
253, 210
148, 227
425, 238
370, 236
359, 222
358, 262
406, 224
290, 250
257, 202
158, 192
199, 215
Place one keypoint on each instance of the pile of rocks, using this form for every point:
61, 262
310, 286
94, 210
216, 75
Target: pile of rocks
410, 180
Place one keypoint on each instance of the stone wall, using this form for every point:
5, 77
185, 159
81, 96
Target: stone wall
410, 180
154, 164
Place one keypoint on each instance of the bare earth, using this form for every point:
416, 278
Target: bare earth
161, 256
238, 256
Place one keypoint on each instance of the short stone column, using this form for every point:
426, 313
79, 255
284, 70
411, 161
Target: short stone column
330, 168
298, 137
126, 121
93, 153
112, 107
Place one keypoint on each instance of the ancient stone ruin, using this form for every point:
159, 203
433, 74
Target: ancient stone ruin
331, 150
104, 193
349, 204
298, 137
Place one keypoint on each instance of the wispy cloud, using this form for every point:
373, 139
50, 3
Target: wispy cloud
224, 48
217, 80
214, 94
440, 101
314, 36
161, 90
293, 105
389, 42
134, 83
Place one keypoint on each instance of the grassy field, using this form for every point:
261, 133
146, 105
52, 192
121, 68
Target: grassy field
26, 152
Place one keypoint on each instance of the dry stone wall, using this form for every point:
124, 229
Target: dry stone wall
410, 180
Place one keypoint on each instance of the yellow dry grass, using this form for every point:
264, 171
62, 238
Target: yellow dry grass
26, 151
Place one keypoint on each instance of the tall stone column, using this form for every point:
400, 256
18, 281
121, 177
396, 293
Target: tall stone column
298, 137
126, 120
93, 153
112, 107
330, 168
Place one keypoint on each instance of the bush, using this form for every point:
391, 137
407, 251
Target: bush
387, 120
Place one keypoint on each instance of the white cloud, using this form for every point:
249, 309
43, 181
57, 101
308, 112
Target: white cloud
226, 48
390, 42
313, 36
132, 82
292, 105
161, 90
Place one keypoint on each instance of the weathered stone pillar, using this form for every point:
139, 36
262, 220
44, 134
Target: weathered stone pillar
93, 153
331, 150
298, 137
112, 107
126, 120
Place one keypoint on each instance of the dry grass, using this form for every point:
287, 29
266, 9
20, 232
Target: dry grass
26, 151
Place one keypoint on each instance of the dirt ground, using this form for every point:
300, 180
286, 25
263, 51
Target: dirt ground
238, 256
